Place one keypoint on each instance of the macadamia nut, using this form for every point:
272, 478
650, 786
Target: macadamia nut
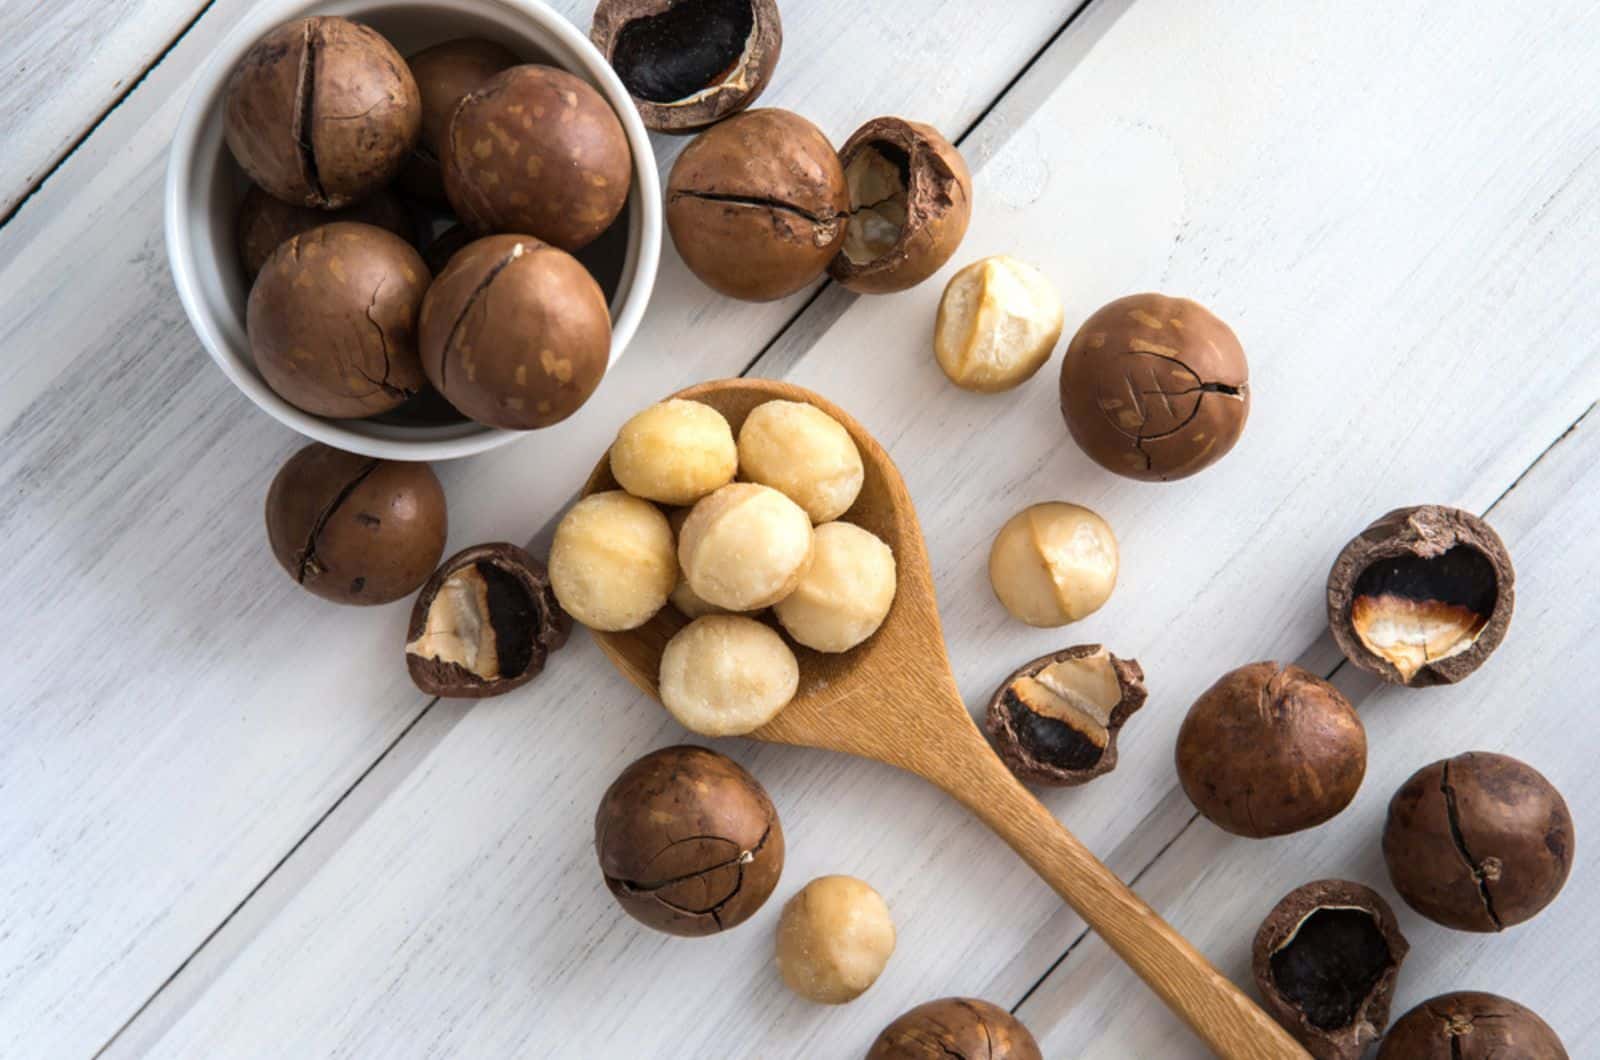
683, 597
803, 453
834, 938
612, 563
744, 547
998, 320
1053, 563
675, 452
845, 594
726, 675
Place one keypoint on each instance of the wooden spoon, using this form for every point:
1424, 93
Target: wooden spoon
895, 700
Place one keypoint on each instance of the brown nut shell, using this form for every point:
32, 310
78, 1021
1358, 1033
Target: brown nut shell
1155, 388
444, 74
757, 205
910, 201
955, 1028
688, 841
322, 112
1422, 596
484, 624
689, 63
515, 333
536, 150
1468, 1025
353, 529
1325, 961
1271, 749
264, 223
1478, 842
1055, 720
332, 320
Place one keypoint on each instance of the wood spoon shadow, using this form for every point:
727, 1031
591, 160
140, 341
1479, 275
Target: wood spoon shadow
894, 700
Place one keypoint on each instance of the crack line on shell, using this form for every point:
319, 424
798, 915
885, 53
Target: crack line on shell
744, 857
305, 117
383, 340
756, 201
477, 294
1452, 817
308, 556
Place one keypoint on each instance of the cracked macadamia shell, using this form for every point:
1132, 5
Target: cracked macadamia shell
803, 453
844, 594
1271, 749
726, 675
515, 333
757, 205
536, 151
354, 529
1056, 719
445, 73
484, 624
1422, 596
1053, 563
745, 547
688, 841
910, 201
1155, 388
612, 563
834, 939
332, 320
322, 112
1478, 842
689, 63
264, 223
999, 319
955, 1028
675, 452
1469, 1025
1325, 961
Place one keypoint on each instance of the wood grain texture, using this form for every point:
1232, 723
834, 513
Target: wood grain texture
187, 715
1387, 268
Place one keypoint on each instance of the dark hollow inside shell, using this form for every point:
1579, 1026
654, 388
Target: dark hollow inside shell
1328, 967
690, 46
1446, 600
1050, 739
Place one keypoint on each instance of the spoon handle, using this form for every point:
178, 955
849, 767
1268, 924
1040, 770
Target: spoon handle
1229, 1022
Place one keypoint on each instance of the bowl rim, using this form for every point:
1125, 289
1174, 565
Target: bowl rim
184, 263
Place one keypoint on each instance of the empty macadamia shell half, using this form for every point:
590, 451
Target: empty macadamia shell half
1055, 720
689, 63
999, 319
1325, 961
955, 1028
612, 563
910, 201
726, 675
1469, 1025
1422, 596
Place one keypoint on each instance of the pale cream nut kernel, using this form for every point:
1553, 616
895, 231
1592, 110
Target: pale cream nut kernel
726, 675
683, 596
1081, 693
803, 453
845, 594
458, 629
834, 939
612, 563
998, 320
1053, 563
675, 452
745, 547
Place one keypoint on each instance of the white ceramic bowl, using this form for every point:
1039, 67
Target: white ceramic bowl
204, 187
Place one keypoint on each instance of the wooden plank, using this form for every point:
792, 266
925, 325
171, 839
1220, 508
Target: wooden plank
1366, 251
1218, 888
185, 715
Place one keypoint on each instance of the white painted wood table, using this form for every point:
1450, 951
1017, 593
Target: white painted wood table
230, 827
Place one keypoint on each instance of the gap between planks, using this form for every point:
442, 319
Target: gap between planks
1009, 110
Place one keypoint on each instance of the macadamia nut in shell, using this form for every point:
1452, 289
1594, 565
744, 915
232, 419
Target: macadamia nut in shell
845, 594
612, 563
726, 675
834, 939
675, 452
1053, 563
745, 547
803, 453
999, 318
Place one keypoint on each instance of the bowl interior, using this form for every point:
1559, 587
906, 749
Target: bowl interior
209, 186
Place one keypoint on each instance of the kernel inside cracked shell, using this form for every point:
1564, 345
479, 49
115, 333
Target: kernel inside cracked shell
877, 178
1330, 964
1063, 712
482, 620
1412, 610
690, 48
